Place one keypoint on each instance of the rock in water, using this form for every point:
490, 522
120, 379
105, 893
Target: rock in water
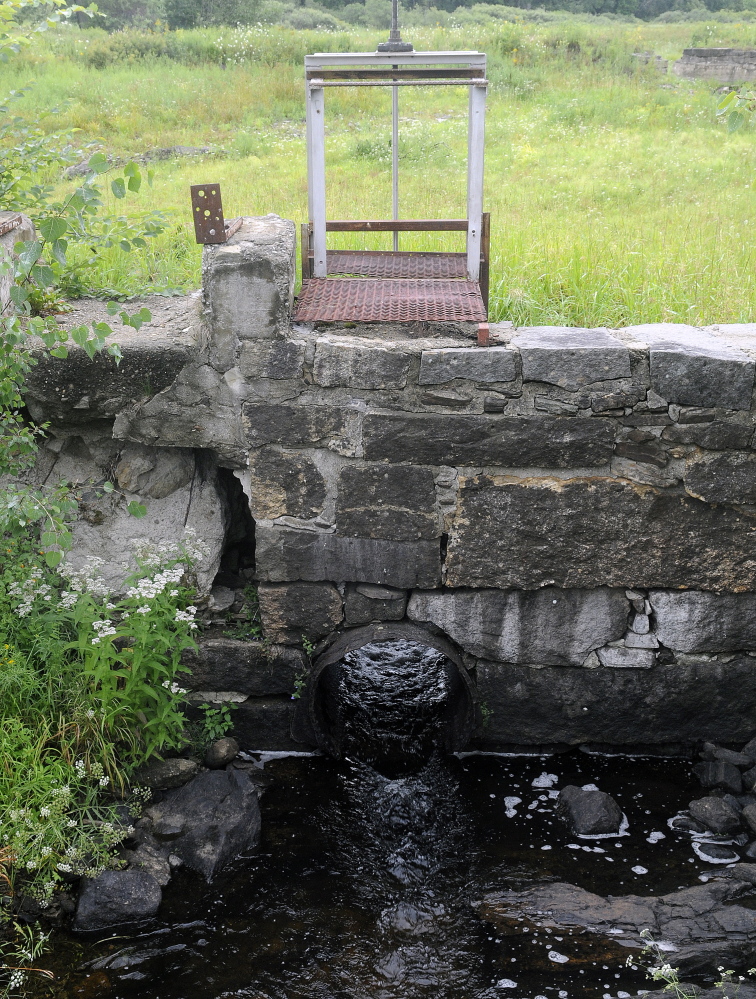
588, 813
209, 821
116, 898
719, 774
717, 815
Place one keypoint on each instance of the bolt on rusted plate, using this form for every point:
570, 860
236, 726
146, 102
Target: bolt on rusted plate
207, 211
9, 221
389, 300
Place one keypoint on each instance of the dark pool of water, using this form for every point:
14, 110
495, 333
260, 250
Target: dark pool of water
364, 886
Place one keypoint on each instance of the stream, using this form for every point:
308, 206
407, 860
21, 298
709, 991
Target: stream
366, 879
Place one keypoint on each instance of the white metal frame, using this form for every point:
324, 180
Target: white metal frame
315, 103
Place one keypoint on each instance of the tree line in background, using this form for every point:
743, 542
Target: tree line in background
173, 14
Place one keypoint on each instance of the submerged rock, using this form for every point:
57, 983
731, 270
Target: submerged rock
116, 898
210, 821
588, 812
717, 815
702, 926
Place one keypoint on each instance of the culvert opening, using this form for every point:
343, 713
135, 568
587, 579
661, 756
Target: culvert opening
391, 697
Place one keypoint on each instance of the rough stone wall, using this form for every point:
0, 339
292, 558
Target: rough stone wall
725, 65
573, 508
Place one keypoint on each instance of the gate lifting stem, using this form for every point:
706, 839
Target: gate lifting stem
376, 286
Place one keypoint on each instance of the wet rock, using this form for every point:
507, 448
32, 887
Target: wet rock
750, 850
712, 752
704, 924
749, 779
116, 898
221, 752
749, 816
210, 821
168, 773
150, 857
715, 853
698, 621
588, 813
687, 823
265, 723
716, 815
719, 774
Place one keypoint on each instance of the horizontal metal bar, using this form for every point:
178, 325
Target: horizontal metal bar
461, 58
404, 225
318, 84
416, 73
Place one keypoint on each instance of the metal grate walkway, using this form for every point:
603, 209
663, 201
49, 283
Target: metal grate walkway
387, 264
389, 300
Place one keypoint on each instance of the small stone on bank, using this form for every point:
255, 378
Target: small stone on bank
221, 752
715, 854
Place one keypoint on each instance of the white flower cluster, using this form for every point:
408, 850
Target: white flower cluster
150, 587
104, 629
174, 687
28, 591
187, 616
86, 579
152, 555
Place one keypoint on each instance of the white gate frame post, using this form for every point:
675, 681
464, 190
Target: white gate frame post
316, 187
475, 158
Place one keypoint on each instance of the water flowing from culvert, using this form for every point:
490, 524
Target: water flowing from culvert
370, 866
391, 699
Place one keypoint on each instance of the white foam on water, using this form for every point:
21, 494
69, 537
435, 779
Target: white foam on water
654, 837
506, 983
639, 870
510, 803
545, 780
557, 958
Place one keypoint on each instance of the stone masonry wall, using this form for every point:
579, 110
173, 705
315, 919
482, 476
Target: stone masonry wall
575, 509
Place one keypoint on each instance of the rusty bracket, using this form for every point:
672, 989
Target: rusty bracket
484, 335
8, 225
207, 211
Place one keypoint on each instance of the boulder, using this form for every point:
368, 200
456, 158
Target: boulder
343, 362
116, 899
210, 821
749, 815
365, 602
588, 812
221, 752
719, 774
169, 773
716, 815
254, 668
571, 357
749, 779
703, 925
293, 611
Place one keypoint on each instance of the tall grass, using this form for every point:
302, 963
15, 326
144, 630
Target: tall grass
616, 196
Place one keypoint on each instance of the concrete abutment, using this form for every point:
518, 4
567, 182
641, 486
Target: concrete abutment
573, 511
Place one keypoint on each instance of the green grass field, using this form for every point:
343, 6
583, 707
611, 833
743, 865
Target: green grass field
615, 194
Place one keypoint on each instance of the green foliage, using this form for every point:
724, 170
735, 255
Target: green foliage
216, 722
20, 947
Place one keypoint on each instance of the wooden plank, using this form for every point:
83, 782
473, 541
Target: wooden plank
395, 74
403, 225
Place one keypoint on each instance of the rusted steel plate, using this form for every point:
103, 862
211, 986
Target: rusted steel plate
9, 221
403, 301
386, 264
207, 211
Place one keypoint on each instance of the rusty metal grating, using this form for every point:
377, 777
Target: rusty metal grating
387, 264
389, 300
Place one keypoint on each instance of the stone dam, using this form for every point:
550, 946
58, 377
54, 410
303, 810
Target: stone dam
568, 514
